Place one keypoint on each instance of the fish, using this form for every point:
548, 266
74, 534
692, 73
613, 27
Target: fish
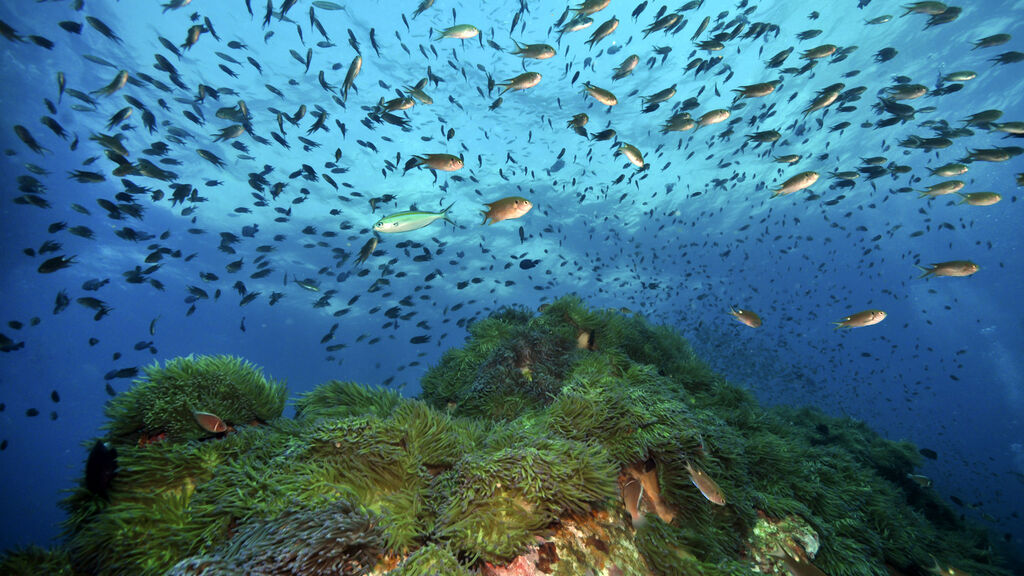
100, 469
210, 422
443, 162
746, 317
506, 209
632, 154
861, 319
953, 269
25, 136
922, 481
796, 566
412, 220
423, 7
459, 32
603, 31
520, 82
708, 487
56, 263
350, 76
800, 181
980, 198
367, 250
600, 94
534, 51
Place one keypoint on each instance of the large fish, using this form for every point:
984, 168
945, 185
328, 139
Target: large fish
412, 220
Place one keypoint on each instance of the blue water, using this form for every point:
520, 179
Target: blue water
680, 242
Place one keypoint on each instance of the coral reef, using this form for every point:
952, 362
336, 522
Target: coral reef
570, 442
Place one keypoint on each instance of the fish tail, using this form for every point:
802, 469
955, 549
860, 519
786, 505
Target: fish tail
487, 214
444, 214
927, 272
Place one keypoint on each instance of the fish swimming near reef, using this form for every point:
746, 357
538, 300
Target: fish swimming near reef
506, 209
708, 487
861, 319
210, 422
412, 220
100, 468
953, 268
746, 317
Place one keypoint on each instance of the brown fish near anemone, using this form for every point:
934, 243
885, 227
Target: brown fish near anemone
210, 422
953, 269
650, 491
861, 319
632, 494
746, 317
708, 487
506, 209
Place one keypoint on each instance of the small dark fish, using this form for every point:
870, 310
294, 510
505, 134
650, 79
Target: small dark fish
929, 454
373, 42
72, 27
100, 468
102, 28
56, 263
639, 9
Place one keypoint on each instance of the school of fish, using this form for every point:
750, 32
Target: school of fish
598, 156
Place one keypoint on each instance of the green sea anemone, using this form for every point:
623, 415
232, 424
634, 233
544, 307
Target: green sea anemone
563, 442
167, 399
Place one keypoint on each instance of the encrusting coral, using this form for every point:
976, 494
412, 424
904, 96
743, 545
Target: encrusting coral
569, 442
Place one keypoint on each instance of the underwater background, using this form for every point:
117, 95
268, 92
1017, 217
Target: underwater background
692, 234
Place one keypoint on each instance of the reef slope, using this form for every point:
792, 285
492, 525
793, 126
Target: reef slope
568, 442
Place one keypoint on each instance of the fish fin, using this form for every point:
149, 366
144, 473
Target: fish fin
927, 272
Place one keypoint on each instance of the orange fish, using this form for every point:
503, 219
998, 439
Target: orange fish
506, 209
210, 422
746, 316
445, 162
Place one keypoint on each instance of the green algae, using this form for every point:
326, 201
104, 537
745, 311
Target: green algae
522, 436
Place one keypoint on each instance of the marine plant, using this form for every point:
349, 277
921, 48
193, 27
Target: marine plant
167, 399
567, 441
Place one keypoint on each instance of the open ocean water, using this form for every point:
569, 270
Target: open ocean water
225, 208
